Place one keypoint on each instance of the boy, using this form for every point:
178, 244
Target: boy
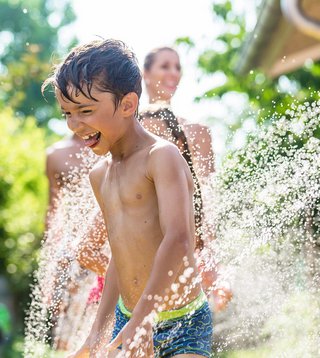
144, 189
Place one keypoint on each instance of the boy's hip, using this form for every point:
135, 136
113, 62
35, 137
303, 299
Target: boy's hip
169, 315
182, 331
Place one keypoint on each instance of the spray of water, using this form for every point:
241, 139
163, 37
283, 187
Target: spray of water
264, 205
59, 315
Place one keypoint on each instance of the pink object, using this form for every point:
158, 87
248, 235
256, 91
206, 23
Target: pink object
96, 291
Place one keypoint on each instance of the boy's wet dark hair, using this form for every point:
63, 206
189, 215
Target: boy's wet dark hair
108, 64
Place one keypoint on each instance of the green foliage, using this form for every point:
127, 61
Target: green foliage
15, 349
23, 194
281, 138
185, 40
30, 42
265, 96
280, 142
30, 34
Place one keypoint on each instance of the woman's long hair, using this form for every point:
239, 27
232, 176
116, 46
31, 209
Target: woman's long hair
175, 129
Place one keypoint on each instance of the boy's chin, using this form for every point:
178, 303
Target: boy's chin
100, 151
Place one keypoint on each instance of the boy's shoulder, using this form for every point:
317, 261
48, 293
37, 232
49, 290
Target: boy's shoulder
162, 146
165, 162
163, 151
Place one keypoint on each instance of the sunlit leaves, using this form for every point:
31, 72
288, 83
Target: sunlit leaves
26, 56
23, 196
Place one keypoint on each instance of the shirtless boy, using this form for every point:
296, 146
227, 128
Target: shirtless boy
144, 189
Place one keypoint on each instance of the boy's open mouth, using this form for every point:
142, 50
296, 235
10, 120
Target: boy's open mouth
92, 139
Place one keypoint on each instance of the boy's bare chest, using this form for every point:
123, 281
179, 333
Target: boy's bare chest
127, 186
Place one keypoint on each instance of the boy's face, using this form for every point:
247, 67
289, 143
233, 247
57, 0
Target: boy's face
96, 122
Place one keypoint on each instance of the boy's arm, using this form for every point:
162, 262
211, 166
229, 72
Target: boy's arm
109, 299
89, 254
173, 184
102, 323
110, 293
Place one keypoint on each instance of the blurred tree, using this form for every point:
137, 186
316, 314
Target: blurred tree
29, 35
23, 192
262, 96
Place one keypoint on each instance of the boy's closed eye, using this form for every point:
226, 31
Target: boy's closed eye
68, 114
65, 115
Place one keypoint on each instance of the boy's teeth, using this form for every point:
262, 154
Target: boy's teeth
91, 139
90, 135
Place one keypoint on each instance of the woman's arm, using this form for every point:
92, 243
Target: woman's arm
200, 141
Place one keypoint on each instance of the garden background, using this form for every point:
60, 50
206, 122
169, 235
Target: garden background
250, 92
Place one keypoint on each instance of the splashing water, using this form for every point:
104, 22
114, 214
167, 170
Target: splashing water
59, 306
264, 204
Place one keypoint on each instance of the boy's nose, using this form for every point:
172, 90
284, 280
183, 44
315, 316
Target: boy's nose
73, 123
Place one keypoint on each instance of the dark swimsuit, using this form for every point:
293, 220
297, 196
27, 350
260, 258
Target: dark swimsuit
187, 330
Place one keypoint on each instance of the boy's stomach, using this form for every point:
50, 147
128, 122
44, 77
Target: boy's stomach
134, 262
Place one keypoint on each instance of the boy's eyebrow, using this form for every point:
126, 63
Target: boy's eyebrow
79, 106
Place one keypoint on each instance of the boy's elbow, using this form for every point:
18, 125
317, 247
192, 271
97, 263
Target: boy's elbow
183, 242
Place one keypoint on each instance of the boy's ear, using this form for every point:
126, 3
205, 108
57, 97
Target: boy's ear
129, 104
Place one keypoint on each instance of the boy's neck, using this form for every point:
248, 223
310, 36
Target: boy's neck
132, 140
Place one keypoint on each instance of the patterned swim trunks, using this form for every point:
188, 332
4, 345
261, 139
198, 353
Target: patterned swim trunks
187, 330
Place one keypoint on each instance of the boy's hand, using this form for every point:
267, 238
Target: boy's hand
222, 296
136, 340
